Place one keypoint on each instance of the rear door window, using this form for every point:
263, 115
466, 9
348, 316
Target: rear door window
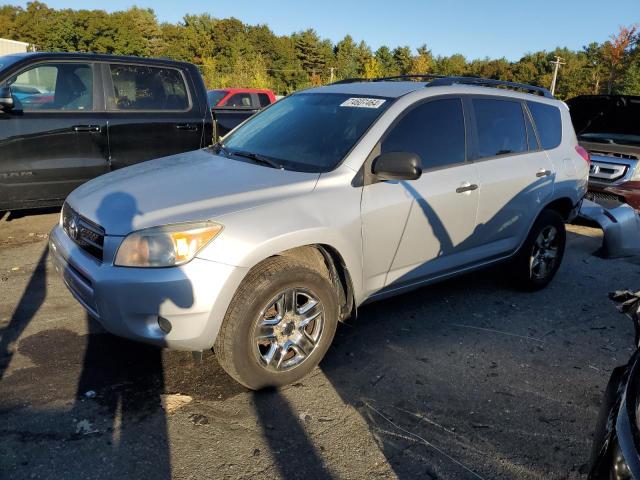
500, 127
433, 130
242, 100
141, 87
54, 86
548, 124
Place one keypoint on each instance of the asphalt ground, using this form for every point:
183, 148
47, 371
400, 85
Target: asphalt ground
469, 378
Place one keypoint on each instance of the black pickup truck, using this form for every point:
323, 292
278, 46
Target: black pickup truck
68, 117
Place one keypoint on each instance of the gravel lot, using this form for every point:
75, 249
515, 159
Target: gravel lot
465, 379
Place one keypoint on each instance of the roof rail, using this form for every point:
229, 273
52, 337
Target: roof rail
442, 80
350, 80
488, 82
426, 76
411, 76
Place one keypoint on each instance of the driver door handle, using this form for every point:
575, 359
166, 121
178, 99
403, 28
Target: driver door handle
187, 126
86, 128
543, 173
466, 187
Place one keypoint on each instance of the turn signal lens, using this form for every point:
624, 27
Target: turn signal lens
166, 246
583, 153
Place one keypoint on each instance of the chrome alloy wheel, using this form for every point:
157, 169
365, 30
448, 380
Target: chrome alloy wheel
545, 253
288, 329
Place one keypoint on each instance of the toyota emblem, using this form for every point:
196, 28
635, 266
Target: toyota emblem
73, 228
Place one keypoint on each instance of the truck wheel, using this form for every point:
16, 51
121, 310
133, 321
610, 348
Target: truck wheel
279, 324
540, 256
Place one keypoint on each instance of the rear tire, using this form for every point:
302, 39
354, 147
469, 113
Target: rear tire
279, 324
540, 256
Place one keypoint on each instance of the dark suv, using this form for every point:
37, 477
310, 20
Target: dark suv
68, 117
607, 126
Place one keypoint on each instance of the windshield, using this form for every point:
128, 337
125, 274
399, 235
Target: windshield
215, 96
309, 132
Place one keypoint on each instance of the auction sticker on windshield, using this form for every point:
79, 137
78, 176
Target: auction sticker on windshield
363, 102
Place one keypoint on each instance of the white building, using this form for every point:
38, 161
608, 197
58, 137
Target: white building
12, 46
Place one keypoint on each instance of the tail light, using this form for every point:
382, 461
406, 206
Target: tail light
583, 153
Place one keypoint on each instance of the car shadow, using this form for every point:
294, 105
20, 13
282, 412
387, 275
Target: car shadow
32, 299
16, 214
296, 455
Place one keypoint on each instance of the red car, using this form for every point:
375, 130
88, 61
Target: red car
241, 98
232, 106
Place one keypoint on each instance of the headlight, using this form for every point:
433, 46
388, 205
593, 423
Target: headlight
165, 246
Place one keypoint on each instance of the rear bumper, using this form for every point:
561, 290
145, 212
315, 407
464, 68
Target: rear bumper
128, 302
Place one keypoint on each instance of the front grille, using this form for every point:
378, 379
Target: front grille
606, 172
604, 197
86, 234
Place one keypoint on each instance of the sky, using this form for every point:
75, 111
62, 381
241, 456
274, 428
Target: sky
477, 29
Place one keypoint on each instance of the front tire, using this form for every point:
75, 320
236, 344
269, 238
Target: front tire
279, 324
540, 256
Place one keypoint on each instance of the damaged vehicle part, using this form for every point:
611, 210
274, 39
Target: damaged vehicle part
621, 227
616, 442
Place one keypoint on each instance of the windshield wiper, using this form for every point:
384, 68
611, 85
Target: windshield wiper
256, 157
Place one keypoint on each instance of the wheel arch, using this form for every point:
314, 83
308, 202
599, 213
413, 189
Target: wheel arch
563, 206
328, 257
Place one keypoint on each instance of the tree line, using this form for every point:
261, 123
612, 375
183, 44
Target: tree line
231, 53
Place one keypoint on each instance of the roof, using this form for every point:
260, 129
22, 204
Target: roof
391, 89
394, 87
88, 56
241, 90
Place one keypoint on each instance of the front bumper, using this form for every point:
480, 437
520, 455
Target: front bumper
128, 302
628, 192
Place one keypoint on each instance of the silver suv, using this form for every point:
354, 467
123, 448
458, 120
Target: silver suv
329, 198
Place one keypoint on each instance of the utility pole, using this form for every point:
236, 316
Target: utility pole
558, 61
331, 77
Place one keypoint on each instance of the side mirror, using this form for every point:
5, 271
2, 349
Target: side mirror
397, 166
6, 99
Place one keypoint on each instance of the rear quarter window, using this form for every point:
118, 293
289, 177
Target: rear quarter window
548, 123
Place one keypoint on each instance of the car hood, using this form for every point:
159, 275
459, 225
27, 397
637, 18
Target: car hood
616, 114
193, 186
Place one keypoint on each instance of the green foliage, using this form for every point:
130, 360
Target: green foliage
403, 59
631, 81
231, 53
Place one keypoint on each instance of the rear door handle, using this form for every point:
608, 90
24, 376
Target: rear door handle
187, 126
466, 187
86, 128
543, 173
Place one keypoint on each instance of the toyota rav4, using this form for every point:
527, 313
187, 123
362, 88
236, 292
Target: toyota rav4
333, 197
